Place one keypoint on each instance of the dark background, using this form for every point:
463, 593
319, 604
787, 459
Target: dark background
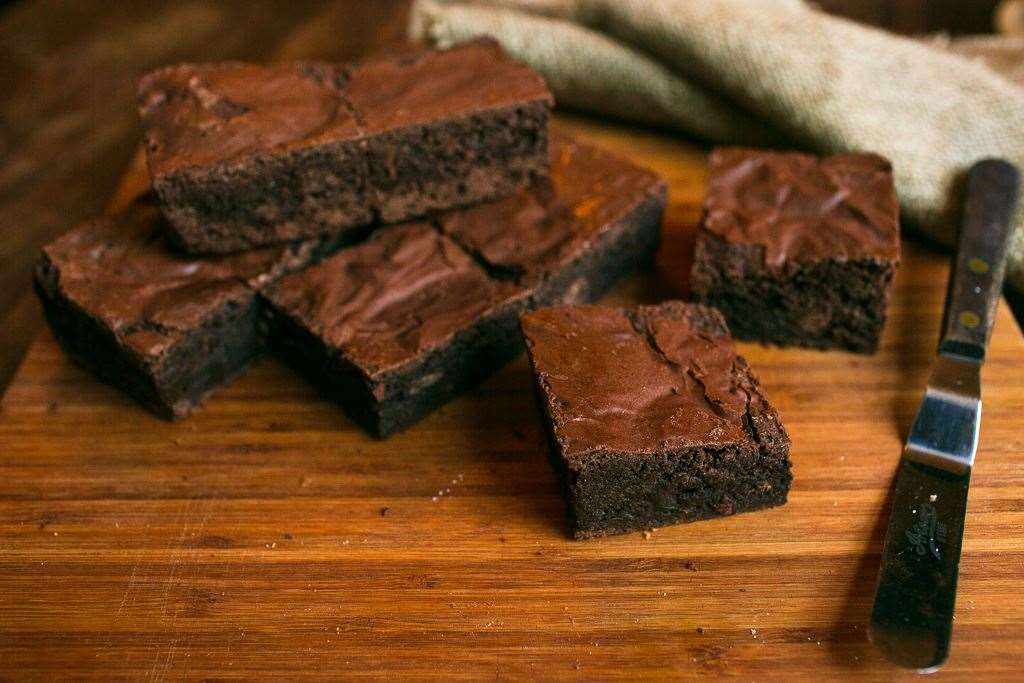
67, 118
918, 16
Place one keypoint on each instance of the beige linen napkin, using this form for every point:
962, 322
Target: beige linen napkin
760, 72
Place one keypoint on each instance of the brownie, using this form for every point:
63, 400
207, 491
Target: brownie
799, 250
166, 328
652, 417
243, 155
395, 327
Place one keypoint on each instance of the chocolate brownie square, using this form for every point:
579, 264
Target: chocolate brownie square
799, 250
652, 416
395, 327
243, 155
164, 327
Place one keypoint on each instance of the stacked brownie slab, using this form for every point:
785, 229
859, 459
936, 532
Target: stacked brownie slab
244, 155
398, 325
380, 225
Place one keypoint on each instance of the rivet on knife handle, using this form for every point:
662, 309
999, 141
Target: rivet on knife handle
912, 617
977, 278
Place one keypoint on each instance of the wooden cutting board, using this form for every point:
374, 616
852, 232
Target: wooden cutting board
266, 536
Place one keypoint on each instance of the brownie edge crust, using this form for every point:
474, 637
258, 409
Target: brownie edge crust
652, 417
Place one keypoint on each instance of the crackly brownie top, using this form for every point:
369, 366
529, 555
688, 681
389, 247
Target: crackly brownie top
201, 114
639, 381
391, 91
405, 291
197, 114
803, 208
552, 221
119, 270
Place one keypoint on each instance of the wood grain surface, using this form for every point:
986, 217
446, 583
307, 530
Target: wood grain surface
267, 536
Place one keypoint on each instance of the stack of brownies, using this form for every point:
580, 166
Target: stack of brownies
379, 225
395, 228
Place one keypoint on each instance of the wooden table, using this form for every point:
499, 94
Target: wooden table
267, 536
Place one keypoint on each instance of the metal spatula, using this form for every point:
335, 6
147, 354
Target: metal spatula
912, 620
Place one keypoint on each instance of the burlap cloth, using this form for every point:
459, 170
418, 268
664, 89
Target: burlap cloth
765, 72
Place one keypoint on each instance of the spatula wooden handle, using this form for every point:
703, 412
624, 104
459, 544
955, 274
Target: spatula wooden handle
977, 279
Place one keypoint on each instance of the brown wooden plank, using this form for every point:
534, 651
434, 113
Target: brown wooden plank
266, 536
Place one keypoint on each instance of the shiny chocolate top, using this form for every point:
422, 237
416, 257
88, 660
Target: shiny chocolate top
119, 270
802, 208
407, 290
391, 91
551, 222
198, 114
201, 114
648, 380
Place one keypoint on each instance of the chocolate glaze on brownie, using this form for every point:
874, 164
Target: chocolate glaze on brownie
799, 250
523, 236
665, 385
653, 417
414, 87
244, 155
404, 292
397, 326
165, 326
801, 208
201, 114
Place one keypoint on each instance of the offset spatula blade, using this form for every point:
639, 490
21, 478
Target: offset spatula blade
912, 619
